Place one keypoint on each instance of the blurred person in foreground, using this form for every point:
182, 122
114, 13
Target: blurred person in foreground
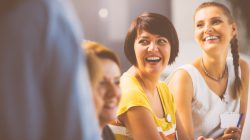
44, 89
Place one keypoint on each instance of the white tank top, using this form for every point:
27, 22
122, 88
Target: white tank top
207, 106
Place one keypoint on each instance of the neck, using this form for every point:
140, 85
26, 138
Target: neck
148, 82
214, 68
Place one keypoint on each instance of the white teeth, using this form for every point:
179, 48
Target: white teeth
153, 58
211, 38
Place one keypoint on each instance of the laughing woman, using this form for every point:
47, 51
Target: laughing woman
213, 85
146, 110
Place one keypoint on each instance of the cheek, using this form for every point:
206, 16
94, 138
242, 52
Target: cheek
167, 52
118, 97
101, 92
98, 100
197, 35
139, 55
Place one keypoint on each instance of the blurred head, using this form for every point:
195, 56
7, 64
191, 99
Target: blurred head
154, 24
111, 80
95, 70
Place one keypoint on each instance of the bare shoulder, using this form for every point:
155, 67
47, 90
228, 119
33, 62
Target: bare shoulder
244, 67
180, 76
181, 83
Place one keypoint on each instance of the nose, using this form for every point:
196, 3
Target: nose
208, 29
153, 47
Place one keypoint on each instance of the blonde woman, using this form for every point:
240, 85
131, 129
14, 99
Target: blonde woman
110, 84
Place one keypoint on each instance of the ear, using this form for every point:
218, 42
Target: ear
234, 29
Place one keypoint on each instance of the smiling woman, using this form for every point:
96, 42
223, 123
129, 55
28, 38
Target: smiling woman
107, 87
214, 83
151, 44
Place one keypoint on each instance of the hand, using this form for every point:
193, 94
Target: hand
232, 133
203, 138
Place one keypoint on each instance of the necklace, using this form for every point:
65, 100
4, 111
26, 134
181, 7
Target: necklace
211, 76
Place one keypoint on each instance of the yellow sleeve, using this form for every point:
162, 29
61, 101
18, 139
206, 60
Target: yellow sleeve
132, 98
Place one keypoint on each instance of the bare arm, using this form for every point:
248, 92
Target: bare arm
140, 122
244, 93
182, 88
180, 129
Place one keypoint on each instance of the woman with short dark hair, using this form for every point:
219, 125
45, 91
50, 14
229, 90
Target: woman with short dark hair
147, 110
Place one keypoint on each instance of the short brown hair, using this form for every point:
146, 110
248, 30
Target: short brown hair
155, 24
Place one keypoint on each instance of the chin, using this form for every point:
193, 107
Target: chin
108, 114
108, 117
154, 70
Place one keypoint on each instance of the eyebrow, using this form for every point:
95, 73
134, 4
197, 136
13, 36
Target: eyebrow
213, 18
147, 37
143, 37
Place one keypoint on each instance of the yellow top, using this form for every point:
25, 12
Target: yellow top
133, 95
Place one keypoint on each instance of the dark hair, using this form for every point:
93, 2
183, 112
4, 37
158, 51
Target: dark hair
154, 24
101, 51
234, 44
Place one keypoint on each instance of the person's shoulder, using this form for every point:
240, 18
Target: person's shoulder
243, 65
182, 82
180, 75
129, 83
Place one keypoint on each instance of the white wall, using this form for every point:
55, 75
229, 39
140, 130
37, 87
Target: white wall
182, 18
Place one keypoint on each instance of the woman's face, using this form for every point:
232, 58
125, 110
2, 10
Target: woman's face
112, 94
152, 52
213, 31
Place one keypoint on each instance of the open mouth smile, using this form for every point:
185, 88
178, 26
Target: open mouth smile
153, 59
